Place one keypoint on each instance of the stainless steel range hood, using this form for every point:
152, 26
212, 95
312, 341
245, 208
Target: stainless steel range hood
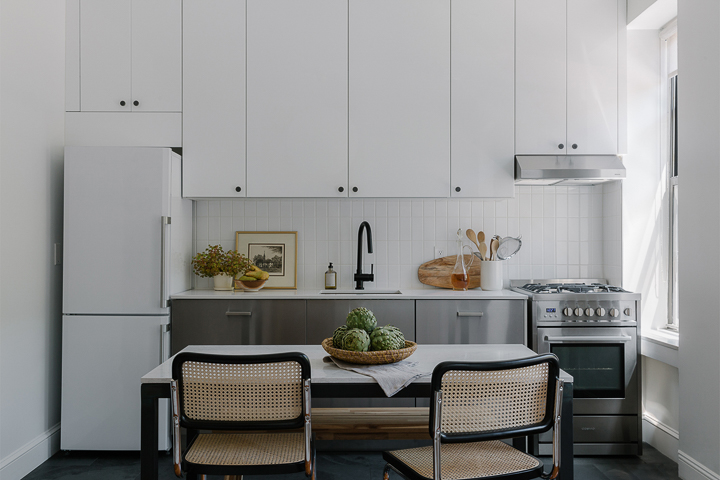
567, 169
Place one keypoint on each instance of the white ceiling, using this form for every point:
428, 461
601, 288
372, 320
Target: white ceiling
655, 16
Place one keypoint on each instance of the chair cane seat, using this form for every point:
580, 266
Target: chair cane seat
462, 461
247, 449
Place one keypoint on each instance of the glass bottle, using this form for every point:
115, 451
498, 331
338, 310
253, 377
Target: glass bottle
330, 278
460, 278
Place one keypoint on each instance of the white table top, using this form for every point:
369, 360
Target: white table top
427, 356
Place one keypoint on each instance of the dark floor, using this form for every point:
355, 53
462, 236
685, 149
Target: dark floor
652, 465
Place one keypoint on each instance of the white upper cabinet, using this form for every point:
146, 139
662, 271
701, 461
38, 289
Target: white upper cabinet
130, 55
399, 98
540, 89
482, 77
566, 77
297, 98
592, 72
213, 98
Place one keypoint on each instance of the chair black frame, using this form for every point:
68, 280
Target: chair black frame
193, 427
550, 419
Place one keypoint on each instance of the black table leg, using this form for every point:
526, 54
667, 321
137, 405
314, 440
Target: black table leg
566, 434
149, 432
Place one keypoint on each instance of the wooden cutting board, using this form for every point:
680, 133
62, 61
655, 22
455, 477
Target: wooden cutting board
437, 272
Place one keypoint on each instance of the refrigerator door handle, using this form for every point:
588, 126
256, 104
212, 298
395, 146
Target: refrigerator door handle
165, 221
164, 330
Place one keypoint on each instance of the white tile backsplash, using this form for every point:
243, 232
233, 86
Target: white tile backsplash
566, 232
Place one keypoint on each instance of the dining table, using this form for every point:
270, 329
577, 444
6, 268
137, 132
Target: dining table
330, 381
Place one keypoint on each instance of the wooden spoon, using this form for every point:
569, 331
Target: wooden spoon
494, 244
482, 245
471, 235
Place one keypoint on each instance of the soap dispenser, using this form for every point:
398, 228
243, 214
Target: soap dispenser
330, 278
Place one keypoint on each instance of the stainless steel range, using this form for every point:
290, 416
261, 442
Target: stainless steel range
592, 328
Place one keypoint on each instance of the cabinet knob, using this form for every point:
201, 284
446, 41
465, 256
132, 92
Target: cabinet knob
355, 189
561, 146
122, 103
457, 189
136, 103
574, 146
341, 189
238, 189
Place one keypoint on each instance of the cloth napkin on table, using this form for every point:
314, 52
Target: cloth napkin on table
391, 377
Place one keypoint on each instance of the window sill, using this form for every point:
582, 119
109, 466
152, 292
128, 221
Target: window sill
661, 345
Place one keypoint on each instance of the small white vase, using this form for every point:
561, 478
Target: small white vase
223, 281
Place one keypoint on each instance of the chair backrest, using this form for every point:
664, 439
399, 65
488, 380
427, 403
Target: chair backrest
485, 401
241, 392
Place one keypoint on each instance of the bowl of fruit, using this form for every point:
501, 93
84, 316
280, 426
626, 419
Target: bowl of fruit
252, 280
361, 341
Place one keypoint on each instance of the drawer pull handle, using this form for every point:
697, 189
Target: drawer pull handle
238, 314
469, 314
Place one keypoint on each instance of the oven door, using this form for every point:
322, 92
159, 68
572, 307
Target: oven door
603, 363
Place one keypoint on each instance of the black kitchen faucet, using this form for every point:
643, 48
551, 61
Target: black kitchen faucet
359, 276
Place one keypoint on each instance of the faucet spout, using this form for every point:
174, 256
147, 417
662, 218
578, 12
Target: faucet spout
361, 277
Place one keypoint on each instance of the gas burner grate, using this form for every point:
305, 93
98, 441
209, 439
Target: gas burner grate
572, 288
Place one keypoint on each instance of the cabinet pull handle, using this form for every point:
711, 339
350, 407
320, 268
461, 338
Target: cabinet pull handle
574, 146
136, 103
469, 314
341, 189
355, 189
238, 314
164, 222
122, 103
163, 330
561, 146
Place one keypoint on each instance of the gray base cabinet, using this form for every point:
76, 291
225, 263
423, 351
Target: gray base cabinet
469, 322
324, 316
237, 322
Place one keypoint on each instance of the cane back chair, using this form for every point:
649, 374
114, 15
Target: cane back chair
476, 405
230, 395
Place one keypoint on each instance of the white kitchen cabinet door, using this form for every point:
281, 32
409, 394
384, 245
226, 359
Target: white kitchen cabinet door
297, 87
482, 73
399, 98
105, 55
592, 76
157, 55
213, 98
540, 77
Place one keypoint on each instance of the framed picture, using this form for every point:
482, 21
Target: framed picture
274, 252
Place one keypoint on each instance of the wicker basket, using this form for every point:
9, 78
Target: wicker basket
370, 358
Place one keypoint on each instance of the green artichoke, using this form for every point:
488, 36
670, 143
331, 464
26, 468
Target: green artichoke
387, 338
338, 335
362, 318
357, 340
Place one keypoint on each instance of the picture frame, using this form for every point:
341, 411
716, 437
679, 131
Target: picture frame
273, 252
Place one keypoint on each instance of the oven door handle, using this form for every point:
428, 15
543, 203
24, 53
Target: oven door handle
589, 338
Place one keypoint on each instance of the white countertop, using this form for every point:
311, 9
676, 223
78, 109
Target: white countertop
427, 294
427, 356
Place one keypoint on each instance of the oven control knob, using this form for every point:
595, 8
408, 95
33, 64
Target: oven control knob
627, 312
578, 312
614, 312
589, 312
567, 311
600, 312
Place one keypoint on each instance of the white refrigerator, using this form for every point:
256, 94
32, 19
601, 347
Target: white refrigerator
127, 247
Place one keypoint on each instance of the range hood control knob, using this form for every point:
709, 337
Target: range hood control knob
567, 311
589, 312
627, 312
614, 312
600, 312
578, 312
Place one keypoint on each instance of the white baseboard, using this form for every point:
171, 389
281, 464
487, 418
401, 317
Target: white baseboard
31, 455
661, 437
691, 469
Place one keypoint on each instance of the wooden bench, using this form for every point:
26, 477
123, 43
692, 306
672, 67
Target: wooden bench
397, 423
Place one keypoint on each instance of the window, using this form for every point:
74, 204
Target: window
670, 68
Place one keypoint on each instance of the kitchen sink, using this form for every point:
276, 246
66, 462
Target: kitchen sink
360, 292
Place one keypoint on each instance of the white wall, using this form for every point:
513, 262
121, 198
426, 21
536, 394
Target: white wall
699, 262
564, 231
32, 72
646, 232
